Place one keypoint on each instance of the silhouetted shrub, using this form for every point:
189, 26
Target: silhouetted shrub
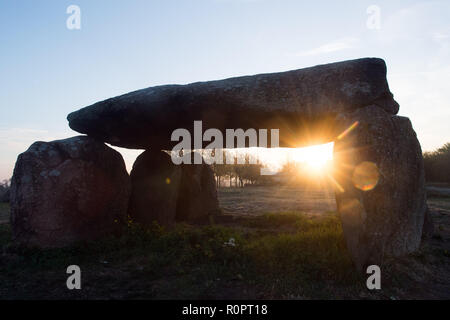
5, 187
437, 164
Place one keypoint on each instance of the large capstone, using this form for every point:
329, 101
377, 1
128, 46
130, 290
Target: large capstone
166, 193
298, 103
381, 194
67, 191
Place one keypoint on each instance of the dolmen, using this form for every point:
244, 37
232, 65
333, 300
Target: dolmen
76, 189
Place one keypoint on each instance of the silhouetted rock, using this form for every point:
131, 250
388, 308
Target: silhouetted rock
197, 200
166, 193
67, 191
382, 205
296, 102
155, 184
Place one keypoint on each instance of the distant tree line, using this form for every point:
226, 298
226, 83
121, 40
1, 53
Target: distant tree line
437, 164
237, 174
245, 172
5, 187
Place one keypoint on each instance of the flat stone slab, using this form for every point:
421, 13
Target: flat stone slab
296, 102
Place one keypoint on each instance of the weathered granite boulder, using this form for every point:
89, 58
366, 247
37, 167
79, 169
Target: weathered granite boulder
295, 102
67, 191
166, 193
382, 198
155, 184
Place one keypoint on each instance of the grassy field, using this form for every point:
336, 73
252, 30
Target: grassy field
192, 262
262, 199
281, 255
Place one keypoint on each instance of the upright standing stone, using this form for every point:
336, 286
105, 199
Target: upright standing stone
197, 201
67, 191
155, 182
166, 193
382, 198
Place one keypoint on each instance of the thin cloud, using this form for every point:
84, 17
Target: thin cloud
337, 45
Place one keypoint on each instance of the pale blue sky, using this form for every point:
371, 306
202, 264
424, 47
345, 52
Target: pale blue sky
47, 71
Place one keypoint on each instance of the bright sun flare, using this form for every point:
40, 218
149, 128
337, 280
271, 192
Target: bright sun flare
315, 157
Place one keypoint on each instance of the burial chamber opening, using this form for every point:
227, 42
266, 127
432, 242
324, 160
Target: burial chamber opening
305, 176
249, 164
306, 179
276, 180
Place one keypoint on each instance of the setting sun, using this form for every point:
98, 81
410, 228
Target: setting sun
316, 157
313, 158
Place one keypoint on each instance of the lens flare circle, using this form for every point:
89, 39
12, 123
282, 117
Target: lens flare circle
366, 176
